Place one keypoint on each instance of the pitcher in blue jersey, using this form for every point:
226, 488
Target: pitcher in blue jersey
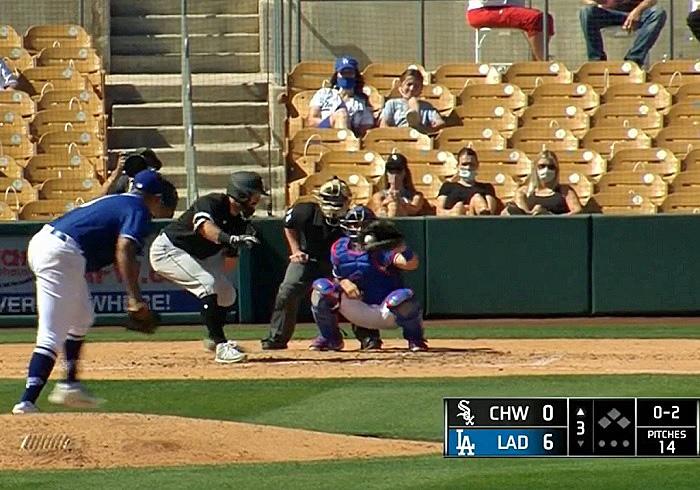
106, 230
367, 288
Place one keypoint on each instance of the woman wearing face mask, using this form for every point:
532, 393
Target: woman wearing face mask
542, 193
344, 105
408, 110
399, 197
467, 196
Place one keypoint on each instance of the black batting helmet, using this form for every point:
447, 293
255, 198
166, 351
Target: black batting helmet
243, 184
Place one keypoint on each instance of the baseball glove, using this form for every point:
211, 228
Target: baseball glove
144, 321
381, 235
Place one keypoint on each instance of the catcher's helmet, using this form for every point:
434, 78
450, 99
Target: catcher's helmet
334, 198
243, 184
356, 220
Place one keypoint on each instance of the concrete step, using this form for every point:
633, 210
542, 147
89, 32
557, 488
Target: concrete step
145, 7
171, 43
199, 63
169, 136
213, 155
203, 113
138, 92
125, 26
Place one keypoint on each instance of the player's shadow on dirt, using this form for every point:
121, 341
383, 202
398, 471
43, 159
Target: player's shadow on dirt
381, 355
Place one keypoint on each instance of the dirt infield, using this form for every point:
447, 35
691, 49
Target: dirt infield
73, 440
448, 358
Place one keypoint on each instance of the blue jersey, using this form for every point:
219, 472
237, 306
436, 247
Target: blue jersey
373, 273
96, 225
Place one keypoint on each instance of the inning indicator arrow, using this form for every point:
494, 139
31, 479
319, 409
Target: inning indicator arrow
580, 443
580, 412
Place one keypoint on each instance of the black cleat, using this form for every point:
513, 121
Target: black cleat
269, 345
372, 343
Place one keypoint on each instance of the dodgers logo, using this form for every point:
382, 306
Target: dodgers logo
466, 414
464, 444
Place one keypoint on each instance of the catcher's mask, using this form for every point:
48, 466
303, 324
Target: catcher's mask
355, 221
334, 199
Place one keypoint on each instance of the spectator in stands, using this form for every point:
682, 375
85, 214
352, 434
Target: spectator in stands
7, 79
512, 14
409, 110
344, 104
467, 196
632, 15
542, 192
399, 197
694, 21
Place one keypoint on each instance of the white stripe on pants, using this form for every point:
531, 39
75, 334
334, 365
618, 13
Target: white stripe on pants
63, 299
199, 277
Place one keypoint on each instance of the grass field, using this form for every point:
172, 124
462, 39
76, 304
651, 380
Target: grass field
385, 408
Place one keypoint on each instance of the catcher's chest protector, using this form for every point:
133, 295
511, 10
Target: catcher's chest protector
356, 265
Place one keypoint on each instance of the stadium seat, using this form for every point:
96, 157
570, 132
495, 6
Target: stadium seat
457, 76
631, 114
687, 181
602, 74
15, 142
684, 201
309, 75
580, 183
607, 140
674, 73
69, 142
534, 140
9, 37
651, 93
510, 161
583, 161
688, 92
315, 141
644, 183
366, 163
67, 188
385, 76
18, 102
615, 202
486, 114
442, 163
680, 140
579, 94
56, 35
6, 212
659, 161
16, 192
557, 115
684, 114
52, 166
35, 81
438, 95
66, 119
46, 210
19, 58
360, 187
426, 182
504, 184
9, 168
84, 60
85, 100
505, 94
12, 119
385, 140
691, 161
479, 138
528, 75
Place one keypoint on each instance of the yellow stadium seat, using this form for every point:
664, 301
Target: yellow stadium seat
487, 114
688, 92
54, 35
84, 100
426, 181
602, 74
62, 119
505, 94
659, 161
585, 162
84, 60
437, 95
674, 73
315, 141
15, 142
385, 76
19, 58
631, 114
16, 192
364, 162
9, 168
385, 140
9, 37
511, 161
457, 76
620, 203
35, 81
9, 118
436, 162
360, 187
581, 95
534, 140
46, 210
18, 102
680, 140
557, 115
479, 138
647, 184
684, 201
52, 166
70, 188
528, 75
503, 183
309, 75
684, 114
607, 140
651, 93
691, 161
69, 142
7, 213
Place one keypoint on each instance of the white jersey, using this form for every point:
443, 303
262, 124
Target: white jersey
328, 100
477, 4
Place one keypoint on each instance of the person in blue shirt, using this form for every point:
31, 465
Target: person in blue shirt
110, 229
367, 288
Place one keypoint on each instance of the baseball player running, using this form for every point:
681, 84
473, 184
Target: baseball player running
106, 230
367, 288
196, 251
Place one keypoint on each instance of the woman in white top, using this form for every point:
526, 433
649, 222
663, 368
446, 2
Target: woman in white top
344, 104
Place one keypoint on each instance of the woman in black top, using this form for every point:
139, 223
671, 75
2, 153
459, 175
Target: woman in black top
542, 192
467, 196
399, 196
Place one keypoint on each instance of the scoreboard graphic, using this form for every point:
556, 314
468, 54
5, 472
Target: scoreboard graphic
572, 427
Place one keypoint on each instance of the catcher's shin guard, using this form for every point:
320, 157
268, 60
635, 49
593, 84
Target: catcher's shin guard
324, 307
214, 318
407, 312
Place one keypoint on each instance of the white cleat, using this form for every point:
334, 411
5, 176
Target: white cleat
229, 352
210, 345
24, 407
74, 395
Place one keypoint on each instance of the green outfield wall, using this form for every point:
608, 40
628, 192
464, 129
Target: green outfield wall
479, 267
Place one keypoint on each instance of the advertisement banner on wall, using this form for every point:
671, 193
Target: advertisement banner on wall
18, 296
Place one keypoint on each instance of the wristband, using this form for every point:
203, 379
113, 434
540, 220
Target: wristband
224, 238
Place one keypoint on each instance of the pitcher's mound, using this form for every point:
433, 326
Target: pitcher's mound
82, 440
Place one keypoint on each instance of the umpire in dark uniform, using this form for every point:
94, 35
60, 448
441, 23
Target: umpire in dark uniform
311, 226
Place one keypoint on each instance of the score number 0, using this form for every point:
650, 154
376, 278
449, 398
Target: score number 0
659, 413
547, 415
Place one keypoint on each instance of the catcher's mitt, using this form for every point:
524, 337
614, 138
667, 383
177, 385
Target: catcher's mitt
144, 321
381, 235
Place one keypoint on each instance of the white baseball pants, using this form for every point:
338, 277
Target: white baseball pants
365, 315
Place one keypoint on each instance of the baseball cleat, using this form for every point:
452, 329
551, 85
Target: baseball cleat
371, 344
417, 346
209, 345
320, 343
24, 407
229, 353
74, 395
270, 345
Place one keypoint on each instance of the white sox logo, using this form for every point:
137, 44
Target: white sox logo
466, 414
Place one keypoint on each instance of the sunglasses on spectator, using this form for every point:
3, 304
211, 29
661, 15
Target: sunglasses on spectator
550, 166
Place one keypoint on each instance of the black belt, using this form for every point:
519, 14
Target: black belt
61, 236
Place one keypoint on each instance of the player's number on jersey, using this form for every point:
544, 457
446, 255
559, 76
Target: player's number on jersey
547, 442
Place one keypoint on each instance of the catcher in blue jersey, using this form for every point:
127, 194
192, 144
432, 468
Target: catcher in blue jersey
367, 288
